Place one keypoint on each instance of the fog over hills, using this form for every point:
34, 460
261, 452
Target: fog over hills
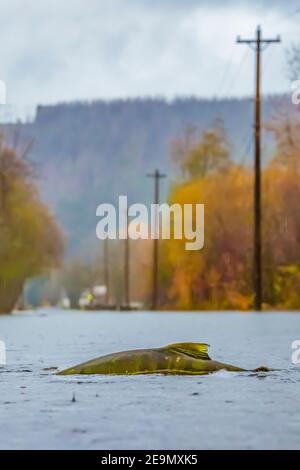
88, 153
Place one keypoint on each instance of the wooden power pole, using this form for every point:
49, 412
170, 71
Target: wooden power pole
127, 265
106, 270
258, 44
157, 176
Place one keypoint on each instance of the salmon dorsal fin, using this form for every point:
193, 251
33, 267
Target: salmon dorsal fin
196, 350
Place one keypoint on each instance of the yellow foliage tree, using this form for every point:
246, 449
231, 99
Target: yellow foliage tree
30, 240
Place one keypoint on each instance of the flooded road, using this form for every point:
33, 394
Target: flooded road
40, 410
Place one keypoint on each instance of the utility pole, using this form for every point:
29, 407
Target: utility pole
157, 176
106, 270
259, 45
127, 265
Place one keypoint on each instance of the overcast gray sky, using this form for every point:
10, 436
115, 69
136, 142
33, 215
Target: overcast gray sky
54, 50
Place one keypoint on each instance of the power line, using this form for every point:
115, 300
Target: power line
293, 13
244, 153
226, 72
246, 149
236, 75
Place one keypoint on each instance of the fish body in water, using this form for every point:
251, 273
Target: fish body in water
174, 359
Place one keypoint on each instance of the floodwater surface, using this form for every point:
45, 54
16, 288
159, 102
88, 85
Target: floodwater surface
226, 410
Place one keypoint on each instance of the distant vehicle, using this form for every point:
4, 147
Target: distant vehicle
65, 303
132, 306
95, 299
86, 299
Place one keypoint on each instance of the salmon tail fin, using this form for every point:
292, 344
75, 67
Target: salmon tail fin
262, 369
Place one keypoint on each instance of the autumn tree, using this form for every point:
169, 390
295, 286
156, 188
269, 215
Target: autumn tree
220, 276
216, 277
30, 240
202, 155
